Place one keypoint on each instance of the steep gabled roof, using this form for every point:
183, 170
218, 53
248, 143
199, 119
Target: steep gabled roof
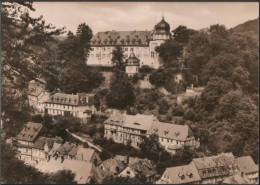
182, 174
30, 132
139, 121
85, 154
214, 166
171, 131
113, 166
246, 164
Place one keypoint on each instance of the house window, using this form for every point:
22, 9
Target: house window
152, 54
131, 49
126, 49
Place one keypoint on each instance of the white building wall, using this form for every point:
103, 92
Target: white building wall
101, 56
76, 111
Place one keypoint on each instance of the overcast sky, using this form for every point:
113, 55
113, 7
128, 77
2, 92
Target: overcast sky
101, 16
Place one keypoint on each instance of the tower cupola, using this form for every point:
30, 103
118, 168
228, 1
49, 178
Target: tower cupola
161, 31
162, 27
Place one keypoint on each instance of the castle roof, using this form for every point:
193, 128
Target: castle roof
121, 38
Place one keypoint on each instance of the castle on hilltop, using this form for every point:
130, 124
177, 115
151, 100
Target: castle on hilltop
141, 44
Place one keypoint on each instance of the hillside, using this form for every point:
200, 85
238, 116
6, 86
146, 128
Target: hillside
250, 28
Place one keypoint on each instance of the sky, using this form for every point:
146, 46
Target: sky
123, 16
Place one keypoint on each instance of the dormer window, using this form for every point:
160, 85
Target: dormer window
189, 174
177, 133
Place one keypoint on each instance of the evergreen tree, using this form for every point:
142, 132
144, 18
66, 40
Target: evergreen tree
118, 58
75, 76
121, 94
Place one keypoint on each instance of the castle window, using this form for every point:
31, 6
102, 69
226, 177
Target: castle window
152, 54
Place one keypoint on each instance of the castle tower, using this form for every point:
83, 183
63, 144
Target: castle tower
161, 31
160, 34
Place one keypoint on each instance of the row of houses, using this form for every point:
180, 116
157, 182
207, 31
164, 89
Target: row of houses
50, 155
80, 105
132, 129
220, 169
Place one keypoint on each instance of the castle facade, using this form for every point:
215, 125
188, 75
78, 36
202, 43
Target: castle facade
141, 43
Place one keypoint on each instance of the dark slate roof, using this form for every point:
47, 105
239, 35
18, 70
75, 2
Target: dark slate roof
162, 27
121, 38
132, 60
71, 99
30, 132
